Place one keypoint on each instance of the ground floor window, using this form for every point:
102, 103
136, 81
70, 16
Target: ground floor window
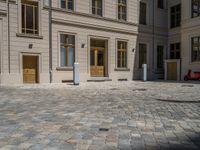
175, 51
67, 50
121, 54
160, 56
142, 54
196, 49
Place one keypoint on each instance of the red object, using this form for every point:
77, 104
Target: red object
192, 76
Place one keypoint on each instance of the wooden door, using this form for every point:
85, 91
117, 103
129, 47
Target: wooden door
97, 62
30, 69
171, 71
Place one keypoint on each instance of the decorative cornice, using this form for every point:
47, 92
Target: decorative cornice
92, 26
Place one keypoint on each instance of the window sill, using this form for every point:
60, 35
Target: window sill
64, 68
29, 36
122, 69
195, 62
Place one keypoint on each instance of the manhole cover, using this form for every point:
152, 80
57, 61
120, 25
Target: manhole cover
187, 86
178, 101
139, 89
114, 89
104, 129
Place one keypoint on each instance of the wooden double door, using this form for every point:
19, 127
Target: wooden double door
97, 62
30, 69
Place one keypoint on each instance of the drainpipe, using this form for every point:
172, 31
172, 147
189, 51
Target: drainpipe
8, 7
50, 40
153, 40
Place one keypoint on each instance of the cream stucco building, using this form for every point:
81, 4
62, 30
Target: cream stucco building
110, 39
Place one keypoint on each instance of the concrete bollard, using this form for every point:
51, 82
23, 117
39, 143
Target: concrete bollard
144, 67
76, 74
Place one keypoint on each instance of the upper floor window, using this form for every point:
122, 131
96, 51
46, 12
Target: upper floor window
175, 51
160, 4
67, 4
67, 50
29, 14
143, 13
175, 16
97, 7
196, 49
142, 54
195, 8
121, 54
122, 12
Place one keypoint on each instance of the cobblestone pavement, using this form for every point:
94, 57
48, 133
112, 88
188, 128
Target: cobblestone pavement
100, 116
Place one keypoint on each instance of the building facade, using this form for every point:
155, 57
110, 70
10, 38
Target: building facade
39, 42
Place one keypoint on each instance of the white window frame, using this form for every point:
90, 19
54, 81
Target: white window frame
75, 49
39, 18
74, 8
127, 52
127, 16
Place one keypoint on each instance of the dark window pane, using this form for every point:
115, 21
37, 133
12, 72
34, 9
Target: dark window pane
175, 16
195, 49
23, 21
63, 4
29, 17
97, 7
161, 4
122, 10
195, 8
143, 13
121, 54
70, 5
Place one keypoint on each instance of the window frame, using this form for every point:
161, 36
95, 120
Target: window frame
59, 49
122, 50
177, 23
192, 10
121, 16
175, 50
140, 65
67, 9
191, 58
163, 4
146, 10
96, 10
38, 30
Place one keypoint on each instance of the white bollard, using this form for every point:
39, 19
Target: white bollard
76, 74
144, 66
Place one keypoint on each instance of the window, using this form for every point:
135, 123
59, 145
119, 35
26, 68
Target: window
143, 11
67, 50
67, 4
196, 49
29, 17
97, 7
161, 4
195, 8
175, 51
175, 16
160, 56
121, 54
142, 54
122, 10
